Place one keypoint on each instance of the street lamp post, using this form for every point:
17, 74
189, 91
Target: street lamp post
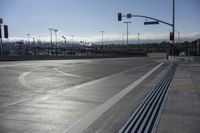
65, 39
72, 38
127, 31
55, 31
51, 29
178, 36
123, 38
138, 38
28, 35
102, 36
28, 42
1, 41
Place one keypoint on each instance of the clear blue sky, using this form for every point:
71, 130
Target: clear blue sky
85, 18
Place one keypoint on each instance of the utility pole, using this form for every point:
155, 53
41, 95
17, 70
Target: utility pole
102, 36
127, 31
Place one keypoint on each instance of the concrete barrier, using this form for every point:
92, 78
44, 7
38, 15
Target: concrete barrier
183, 58
157, 55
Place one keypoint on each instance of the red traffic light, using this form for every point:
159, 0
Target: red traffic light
171, 36
119, 16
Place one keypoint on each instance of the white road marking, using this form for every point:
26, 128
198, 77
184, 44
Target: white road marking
89, 118
66, 74
22, 80
76, 87
15, 103
14, 65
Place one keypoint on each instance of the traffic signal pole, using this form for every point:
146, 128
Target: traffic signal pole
158, 20
173, 27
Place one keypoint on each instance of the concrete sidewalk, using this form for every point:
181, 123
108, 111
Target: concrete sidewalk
182, 109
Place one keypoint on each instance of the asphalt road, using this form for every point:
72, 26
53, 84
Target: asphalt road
52, 96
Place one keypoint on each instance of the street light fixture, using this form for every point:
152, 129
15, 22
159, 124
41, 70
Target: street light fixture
64, 39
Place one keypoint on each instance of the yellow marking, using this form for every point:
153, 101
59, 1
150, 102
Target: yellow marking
184, 86
176, 86
149, 85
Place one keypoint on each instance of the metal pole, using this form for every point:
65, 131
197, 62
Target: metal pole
50, 29
72, 39
28, 42
122, 39
127, 31
138, 38
28, 35
198, 48
65, 39
178, 37
173, 27
1, 46
1, 41
55, 31
102, 36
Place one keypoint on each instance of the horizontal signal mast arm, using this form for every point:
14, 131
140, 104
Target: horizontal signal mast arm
142, 16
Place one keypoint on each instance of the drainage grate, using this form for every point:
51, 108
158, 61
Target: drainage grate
146, 116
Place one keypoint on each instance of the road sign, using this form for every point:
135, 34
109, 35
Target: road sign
151, 22
129, 15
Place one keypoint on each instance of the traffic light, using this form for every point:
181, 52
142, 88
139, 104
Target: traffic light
171, 36
5, 31
119, 16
